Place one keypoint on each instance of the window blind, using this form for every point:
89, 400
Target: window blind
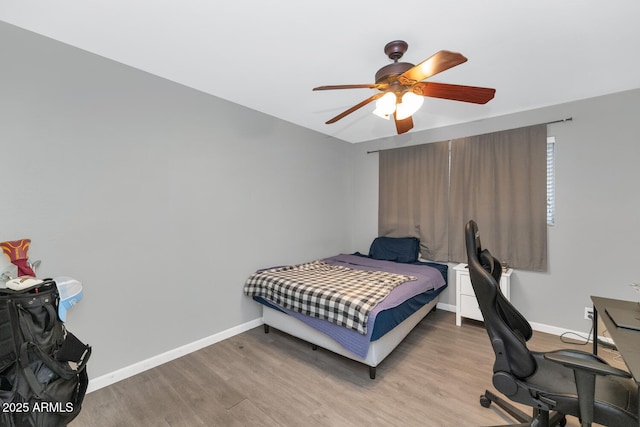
551, 181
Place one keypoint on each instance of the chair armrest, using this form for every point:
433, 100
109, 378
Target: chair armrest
585, 367
577, 362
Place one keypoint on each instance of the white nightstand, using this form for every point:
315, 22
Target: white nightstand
466, 303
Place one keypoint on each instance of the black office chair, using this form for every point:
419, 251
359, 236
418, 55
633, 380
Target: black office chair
554, 384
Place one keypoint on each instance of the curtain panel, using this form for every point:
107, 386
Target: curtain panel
497, 179
413, 196
500, 181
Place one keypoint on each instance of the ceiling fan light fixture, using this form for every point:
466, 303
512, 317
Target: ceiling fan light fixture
386, 105
402, 86
409, 105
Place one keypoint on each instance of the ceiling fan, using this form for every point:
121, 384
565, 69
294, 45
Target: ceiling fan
401, 86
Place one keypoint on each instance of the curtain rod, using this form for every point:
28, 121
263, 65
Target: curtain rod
568, 119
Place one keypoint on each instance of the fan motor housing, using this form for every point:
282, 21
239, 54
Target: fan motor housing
388, 72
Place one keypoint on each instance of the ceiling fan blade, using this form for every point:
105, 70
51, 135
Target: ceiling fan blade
435, 64
363, 86
474, 94
403, 125
355, 107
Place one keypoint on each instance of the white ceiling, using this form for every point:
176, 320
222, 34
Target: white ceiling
268, 55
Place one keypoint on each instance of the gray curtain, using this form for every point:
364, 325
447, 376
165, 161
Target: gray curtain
497, 179
500, 181
413, 193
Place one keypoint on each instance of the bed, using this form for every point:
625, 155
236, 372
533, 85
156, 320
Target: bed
387, 293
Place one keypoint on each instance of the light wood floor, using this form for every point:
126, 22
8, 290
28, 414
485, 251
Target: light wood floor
434, 378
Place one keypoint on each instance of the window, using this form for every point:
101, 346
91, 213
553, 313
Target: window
551, 181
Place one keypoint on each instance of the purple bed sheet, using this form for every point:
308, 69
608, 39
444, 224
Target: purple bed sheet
427, 278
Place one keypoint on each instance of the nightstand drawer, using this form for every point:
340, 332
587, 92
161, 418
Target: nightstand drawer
469, 307
466, 288
466, 302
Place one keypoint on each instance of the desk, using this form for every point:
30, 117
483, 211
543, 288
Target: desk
627, 340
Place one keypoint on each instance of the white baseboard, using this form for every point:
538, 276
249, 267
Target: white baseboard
553, 330
152, 362
446, 307
540, 327
560, 331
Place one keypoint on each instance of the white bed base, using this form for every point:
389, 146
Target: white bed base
378, 349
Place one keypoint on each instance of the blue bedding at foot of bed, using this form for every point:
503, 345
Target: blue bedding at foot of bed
388, 319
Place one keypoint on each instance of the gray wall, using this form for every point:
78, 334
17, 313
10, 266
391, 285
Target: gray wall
160, 199
593, 246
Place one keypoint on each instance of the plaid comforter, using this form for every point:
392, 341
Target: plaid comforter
338, 294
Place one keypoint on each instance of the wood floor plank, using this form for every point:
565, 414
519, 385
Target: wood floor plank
434, 378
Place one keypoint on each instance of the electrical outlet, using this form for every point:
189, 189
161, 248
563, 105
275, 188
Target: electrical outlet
588, 313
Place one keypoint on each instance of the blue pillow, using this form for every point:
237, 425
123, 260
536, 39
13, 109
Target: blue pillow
398, 249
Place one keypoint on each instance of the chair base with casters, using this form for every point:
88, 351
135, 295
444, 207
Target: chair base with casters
538, 419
